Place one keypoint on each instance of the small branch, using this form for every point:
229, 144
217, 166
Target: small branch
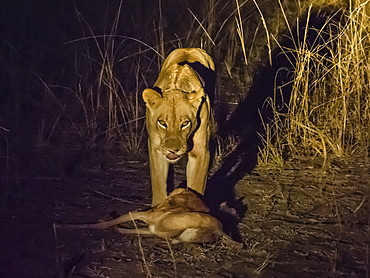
118, 199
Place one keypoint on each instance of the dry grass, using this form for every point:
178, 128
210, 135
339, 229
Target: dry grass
112, 111
170, 261
328, 110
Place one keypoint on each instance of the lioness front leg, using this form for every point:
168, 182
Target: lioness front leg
158, 172
199, 156
197, 169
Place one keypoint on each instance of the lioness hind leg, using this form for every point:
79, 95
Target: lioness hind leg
191, 55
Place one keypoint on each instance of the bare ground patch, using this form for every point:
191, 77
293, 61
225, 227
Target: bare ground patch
302, 221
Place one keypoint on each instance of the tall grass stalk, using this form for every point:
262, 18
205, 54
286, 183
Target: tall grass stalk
240, 31
111, 109
267, 32
146, 265
173, 259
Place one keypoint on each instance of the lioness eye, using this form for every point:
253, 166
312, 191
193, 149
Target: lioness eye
162, 124
185, 124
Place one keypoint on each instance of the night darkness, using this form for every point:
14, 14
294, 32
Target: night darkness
73, 144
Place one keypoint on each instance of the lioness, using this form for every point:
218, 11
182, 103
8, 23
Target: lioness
178, 119
182, 217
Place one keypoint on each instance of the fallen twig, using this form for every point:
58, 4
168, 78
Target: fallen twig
119, 199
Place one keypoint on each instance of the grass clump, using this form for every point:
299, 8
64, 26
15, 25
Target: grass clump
328, 108
97, 101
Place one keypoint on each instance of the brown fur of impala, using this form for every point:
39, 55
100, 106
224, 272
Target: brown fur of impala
182, 217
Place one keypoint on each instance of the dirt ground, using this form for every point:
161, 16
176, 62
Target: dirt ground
303, 221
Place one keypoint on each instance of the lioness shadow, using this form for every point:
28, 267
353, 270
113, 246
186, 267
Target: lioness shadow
246, 123
271, 89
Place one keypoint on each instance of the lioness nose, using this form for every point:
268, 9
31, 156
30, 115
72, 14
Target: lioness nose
172, 145
174, 150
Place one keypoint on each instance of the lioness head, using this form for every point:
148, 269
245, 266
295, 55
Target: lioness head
172, 119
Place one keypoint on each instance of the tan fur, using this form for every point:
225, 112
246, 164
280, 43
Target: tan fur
182, 217
178, 120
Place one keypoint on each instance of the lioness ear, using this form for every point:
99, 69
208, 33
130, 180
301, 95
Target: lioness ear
150, 95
